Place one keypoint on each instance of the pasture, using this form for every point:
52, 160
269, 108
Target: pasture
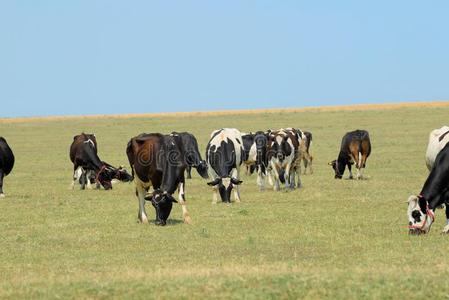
330, 239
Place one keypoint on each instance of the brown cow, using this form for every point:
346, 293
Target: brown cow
84, 156
355, 147
157, 161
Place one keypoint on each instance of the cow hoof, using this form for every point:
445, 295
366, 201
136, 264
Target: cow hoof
188, 220
2, 195
445, 230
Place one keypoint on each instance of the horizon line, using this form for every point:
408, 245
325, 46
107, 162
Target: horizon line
324, 108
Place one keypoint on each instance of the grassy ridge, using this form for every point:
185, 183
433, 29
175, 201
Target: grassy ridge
331, 239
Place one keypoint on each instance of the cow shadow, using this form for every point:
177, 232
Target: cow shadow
175, 221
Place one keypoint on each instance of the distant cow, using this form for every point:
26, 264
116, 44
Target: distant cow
355, 147
224, 156
255, 147
284, 157
83, 154
192, 155
307, 158
157, 161
6, 162
438, 138
435, 192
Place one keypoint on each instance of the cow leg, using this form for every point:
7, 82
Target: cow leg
2, 175
299, 183
89, 185
214, 195
276, 185
270, 177
142, 214
260, 179
310, 164
83, 180
235, 174
182, 201
446, 228
350, 171
75, 176
287, 176
189, 172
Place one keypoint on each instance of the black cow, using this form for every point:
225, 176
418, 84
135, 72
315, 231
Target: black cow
355, 147
157, 161
192, 156
6, 162
83, 154
435, 192
224, 156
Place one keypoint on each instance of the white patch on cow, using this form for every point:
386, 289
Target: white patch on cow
435, 145
141, 192
446, 229
252, 156
90, 141
226, 182
2, 195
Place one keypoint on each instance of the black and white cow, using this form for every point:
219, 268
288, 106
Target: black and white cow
157, 161
283, 157
355, 147
6, 162
224, 156
435, 192
192, 156
438, 138
255, 147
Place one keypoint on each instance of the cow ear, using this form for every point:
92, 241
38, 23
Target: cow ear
412, 199
213, 183
236, 181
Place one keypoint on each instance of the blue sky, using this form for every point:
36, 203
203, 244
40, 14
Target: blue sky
108, 57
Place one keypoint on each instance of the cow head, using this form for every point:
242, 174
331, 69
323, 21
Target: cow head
162, 203
202, 169
104, 177
280, 148
225, 186
339, 169
122, 175
420, 216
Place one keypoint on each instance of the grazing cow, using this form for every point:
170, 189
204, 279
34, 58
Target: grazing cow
355, 147
307, 158
192, 156
438, 138
83, 154
284, 156
6, 162
435, 192
224, 156
255, 155
157, 161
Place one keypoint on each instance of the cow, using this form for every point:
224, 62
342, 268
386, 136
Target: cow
86, 163
255, 155
157, 161
307, 158
438, 138
192, 155
434, 193
224, 156
284, 156
355, 147
6, 162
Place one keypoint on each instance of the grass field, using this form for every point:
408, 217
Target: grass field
331, 239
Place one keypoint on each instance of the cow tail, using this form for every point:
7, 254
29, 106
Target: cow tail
130, 154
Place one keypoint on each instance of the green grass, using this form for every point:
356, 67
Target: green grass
331, 239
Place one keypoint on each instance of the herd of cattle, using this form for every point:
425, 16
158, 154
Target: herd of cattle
159, 163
